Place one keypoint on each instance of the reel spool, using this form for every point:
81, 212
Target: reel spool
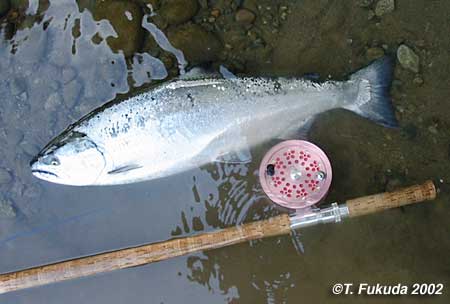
295, 174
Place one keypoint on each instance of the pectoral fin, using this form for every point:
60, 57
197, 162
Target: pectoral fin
123, 169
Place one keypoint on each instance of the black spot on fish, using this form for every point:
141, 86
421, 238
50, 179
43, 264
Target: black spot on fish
276, 86
191, 99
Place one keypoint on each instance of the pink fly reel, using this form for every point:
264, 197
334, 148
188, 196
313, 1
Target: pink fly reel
295, 174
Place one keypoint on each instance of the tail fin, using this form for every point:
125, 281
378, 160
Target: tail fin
373, 100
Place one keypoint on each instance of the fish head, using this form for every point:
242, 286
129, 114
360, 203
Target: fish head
70, 159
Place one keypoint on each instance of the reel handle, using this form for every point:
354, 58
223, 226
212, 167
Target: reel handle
382, 201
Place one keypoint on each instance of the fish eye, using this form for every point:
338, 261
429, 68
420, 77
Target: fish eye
51, 160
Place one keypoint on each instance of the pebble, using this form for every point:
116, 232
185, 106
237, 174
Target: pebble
384, 6
433, 130
215, 13
407, 58
6, 209
71, 93
420, 43
23, 97
178, 11
52, 102
374, 53
245, 16
5, 176
418, 80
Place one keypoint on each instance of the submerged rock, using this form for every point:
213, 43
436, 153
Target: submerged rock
407, 58
53, 102
29, 147
5, 176
17, 86
178, 11
418, 80
71, 93
6, 209
245, 16
197, 44
384, 6
125, 17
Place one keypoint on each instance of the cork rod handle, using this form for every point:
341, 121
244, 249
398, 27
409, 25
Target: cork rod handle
379, 202
141, 255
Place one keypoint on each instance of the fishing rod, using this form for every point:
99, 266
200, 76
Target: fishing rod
275, 164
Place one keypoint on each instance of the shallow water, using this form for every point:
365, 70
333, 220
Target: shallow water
57, 64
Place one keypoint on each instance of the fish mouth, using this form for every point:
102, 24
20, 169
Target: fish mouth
38, 172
